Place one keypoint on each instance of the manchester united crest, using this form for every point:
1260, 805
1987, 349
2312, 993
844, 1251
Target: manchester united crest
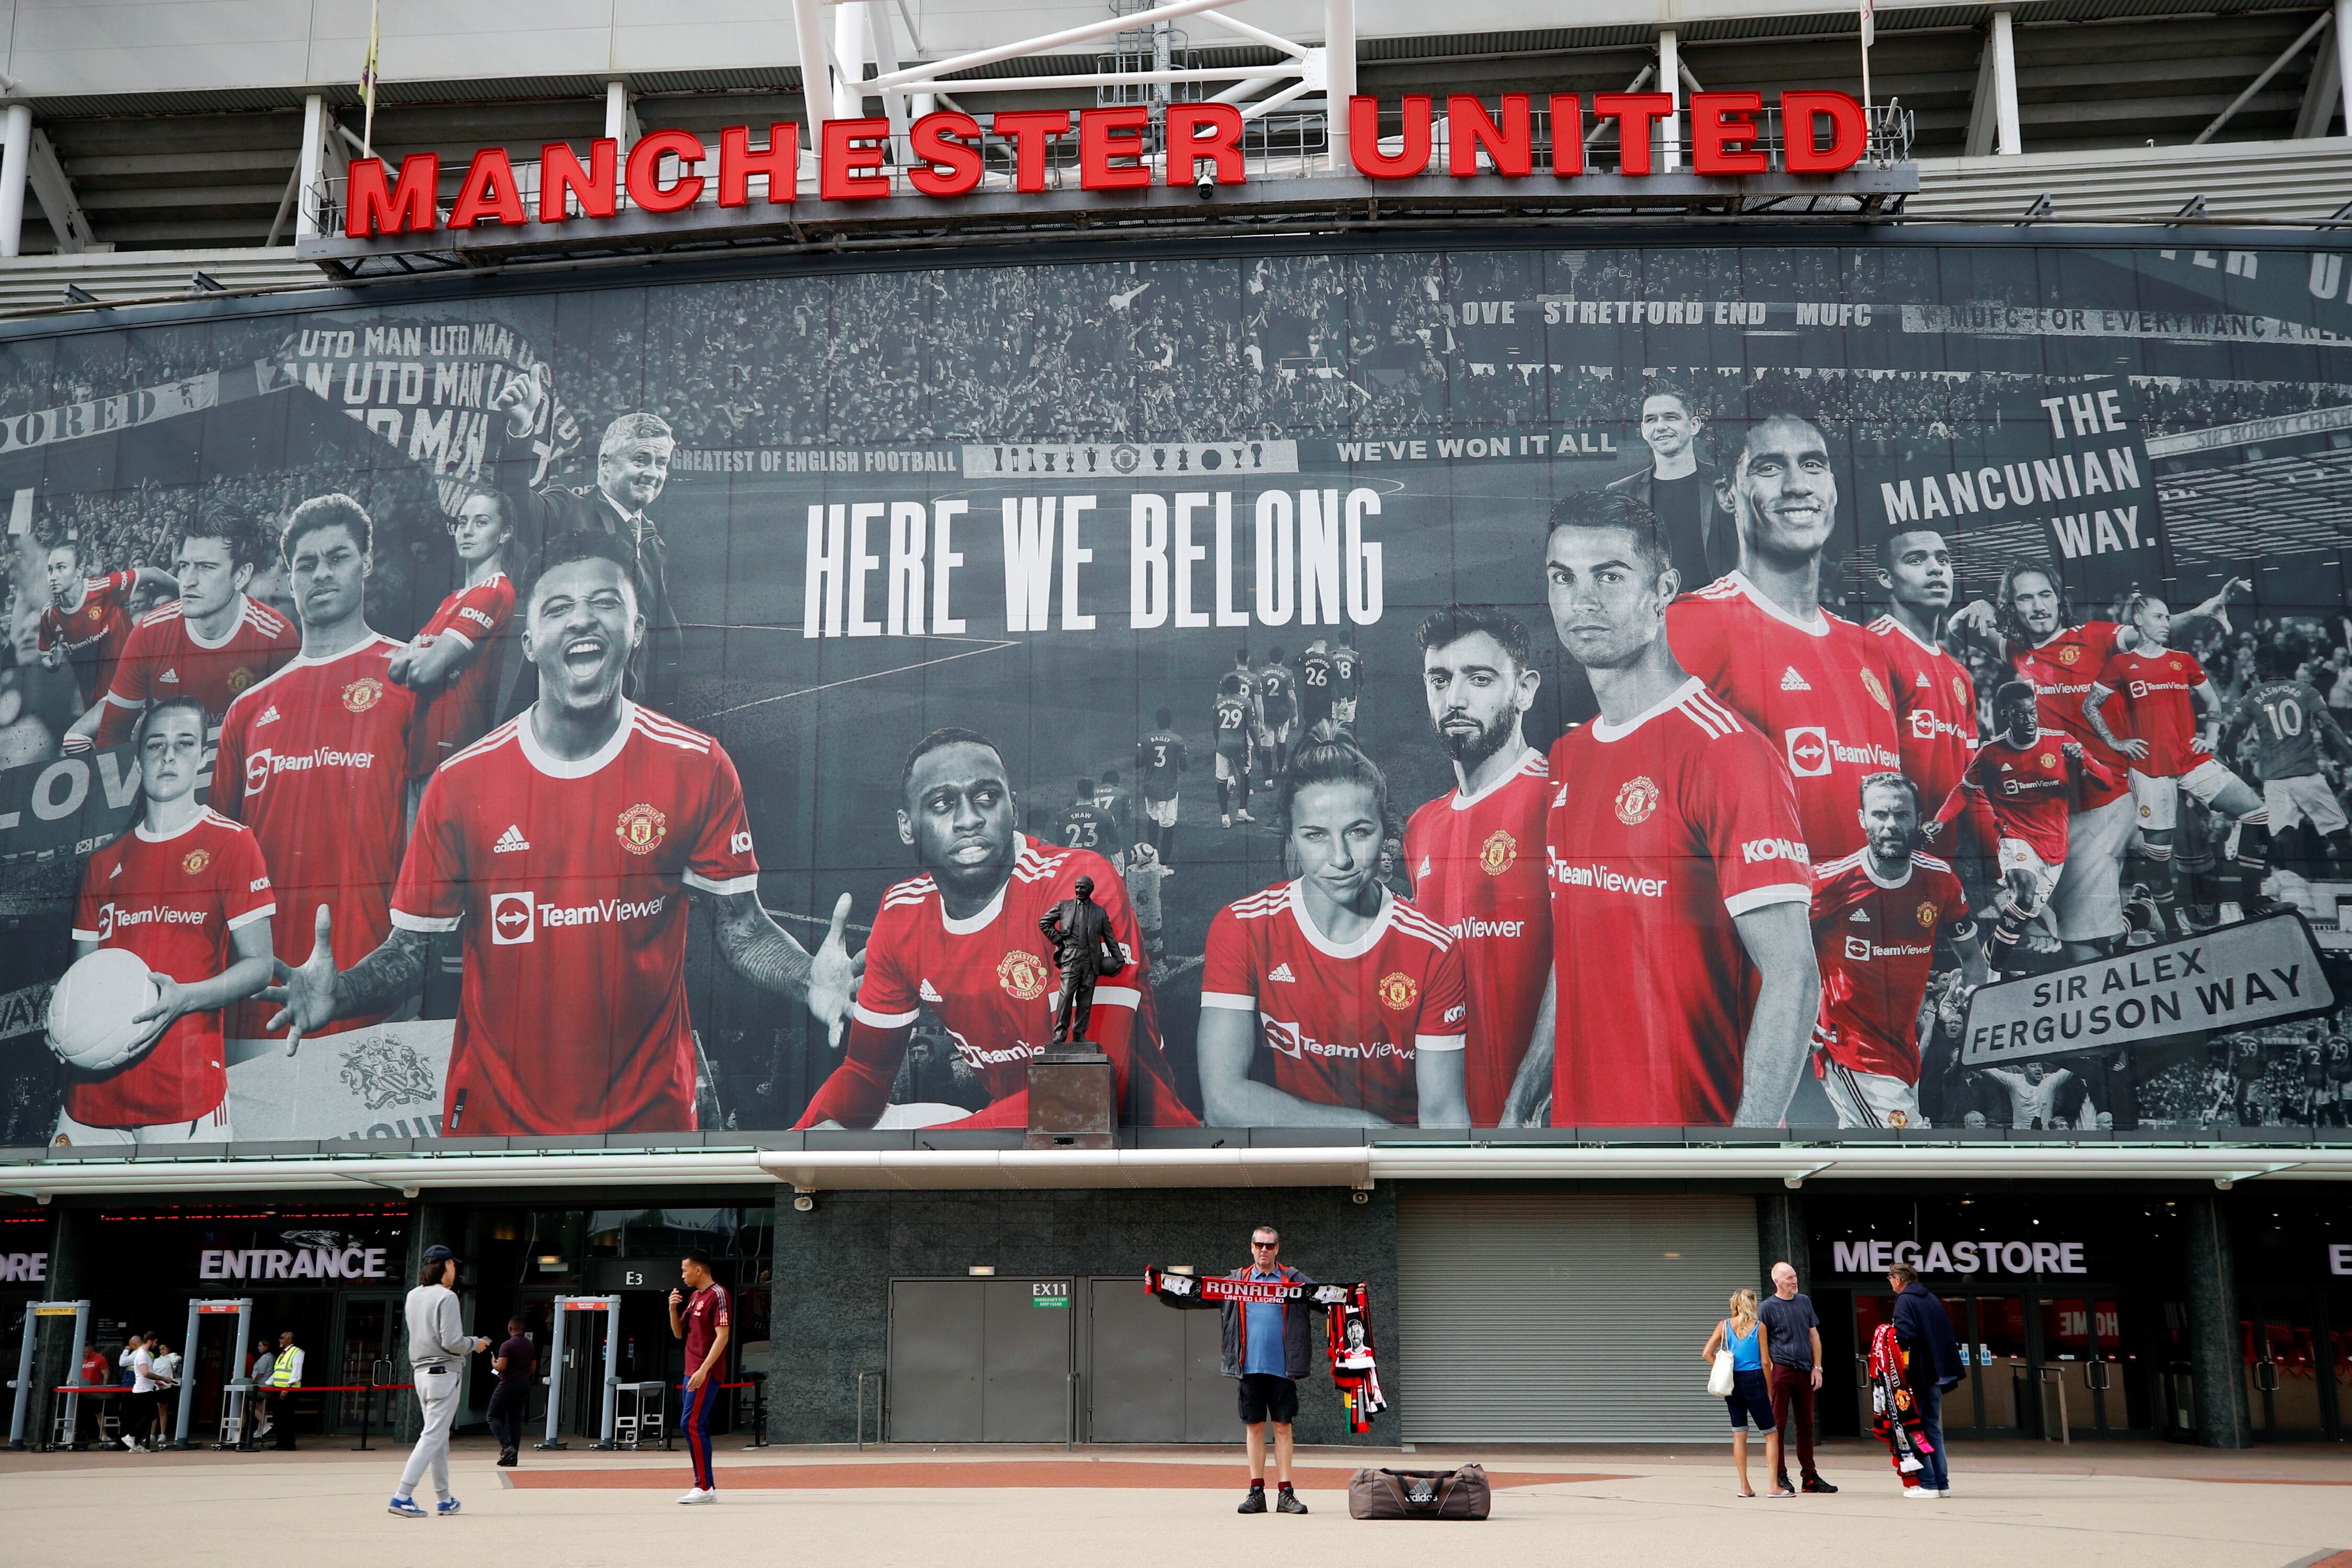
96, 613
1926, 912
2048, 761
1960, 693
362, 694
1397, 991
641, 829
1023, 975
1636, 799
1499, 853
195, 861
2070, 655
2174, 666
1898, 1121
1871, 684
239, 678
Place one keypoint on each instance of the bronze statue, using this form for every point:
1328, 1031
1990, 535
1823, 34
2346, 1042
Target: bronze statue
1084, 950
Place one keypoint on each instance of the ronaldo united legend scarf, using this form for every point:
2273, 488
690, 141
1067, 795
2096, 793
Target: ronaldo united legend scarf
1354, 1368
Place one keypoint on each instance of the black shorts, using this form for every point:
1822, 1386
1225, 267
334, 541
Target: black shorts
1265, 1397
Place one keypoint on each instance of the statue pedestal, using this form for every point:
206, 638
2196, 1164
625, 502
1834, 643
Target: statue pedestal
1073, 1099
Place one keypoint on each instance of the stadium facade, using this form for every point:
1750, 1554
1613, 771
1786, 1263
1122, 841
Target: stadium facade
1663, 656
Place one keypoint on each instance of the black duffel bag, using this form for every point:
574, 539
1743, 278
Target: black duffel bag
1420, 1494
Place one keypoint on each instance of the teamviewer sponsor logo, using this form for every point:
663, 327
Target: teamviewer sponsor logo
265, 764
512, 919
1809, 752
256, 771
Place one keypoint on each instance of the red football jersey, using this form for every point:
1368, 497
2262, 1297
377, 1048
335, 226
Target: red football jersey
2152, 703
1818, 689
172, 901
990, 982
1341, 1024
2061, 670
706, 1313
164, 658
568, 881
460, 714
2031, 792
92, 635
1660, 831
1938, 732
314, 759
1477, 872
1875, 942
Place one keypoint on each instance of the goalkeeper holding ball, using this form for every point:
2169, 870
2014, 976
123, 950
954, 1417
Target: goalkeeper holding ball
185, 894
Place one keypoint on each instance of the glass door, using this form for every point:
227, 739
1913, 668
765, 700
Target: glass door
2066, 1380
1997, 1365
368, 1327
2280, 1354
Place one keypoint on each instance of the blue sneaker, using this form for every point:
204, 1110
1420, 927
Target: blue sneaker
447, 1506
405, 1507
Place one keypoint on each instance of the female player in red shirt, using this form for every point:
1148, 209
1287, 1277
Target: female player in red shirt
1355, 996
445, 663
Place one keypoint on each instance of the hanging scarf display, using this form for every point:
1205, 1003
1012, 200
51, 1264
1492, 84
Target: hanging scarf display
1894, 1417
1354, 1370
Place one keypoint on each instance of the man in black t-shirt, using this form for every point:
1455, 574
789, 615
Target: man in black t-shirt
511, 1400
1701, 538
1795, 1335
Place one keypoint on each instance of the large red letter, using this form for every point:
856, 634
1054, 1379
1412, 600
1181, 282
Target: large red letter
849, 168
1799, 120
645, 171
488, 191
408, 208
780, 160
1723, 134
1108, 133
1634, 113
1211, 131
1567, 134
1364, 140
946, 162
598, 185
1029, 130
1510, 146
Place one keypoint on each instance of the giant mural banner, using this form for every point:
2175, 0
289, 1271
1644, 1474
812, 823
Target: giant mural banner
1497, 685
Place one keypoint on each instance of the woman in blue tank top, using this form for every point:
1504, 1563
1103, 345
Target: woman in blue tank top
1743, 1334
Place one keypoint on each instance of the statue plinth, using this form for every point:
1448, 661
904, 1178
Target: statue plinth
1073, 1099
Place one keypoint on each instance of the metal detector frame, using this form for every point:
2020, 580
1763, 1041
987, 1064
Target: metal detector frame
611, 1307
233, 1386
34, 1313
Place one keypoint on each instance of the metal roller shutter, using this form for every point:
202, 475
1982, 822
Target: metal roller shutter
1565, 1318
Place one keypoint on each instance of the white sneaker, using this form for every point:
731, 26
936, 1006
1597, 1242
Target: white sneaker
699, 1494
1915, 1494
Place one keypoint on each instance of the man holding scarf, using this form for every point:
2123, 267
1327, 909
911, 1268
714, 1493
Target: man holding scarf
1265, 1349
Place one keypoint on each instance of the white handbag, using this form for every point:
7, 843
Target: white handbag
1719, 1379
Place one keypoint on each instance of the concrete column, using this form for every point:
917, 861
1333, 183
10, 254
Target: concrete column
617, 114
306, 194
1340, 73
2008, 141
2217, 1365
1670, 77
2344, 61
1782, 1237
817, 79
849, 62
16, 162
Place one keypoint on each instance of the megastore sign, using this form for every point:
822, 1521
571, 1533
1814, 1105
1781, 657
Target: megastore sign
1826, 133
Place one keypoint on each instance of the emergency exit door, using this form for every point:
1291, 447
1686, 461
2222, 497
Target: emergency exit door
980, 1360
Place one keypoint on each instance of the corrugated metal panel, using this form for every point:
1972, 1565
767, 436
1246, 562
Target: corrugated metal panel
1547, 1318
34, 283
2299, 179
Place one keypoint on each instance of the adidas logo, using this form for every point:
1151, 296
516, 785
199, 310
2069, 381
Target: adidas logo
1424, 866
511, 842
1919, 678
930, 992
1859, 917
1792, 681
2008, 768
116, 872
269, 716
170, 675
1282, 972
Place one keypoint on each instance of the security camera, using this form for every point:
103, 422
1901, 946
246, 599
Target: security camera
804, 1203
1360, 1196
1205, 182
1792, 1183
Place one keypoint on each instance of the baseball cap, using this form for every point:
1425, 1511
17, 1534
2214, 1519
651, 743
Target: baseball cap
440, 1254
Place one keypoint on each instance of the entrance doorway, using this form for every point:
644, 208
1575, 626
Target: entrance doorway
2037, 1366
2279, 1350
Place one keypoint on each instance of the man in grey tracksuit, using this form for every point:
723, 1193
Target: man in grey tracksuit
437, 1348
